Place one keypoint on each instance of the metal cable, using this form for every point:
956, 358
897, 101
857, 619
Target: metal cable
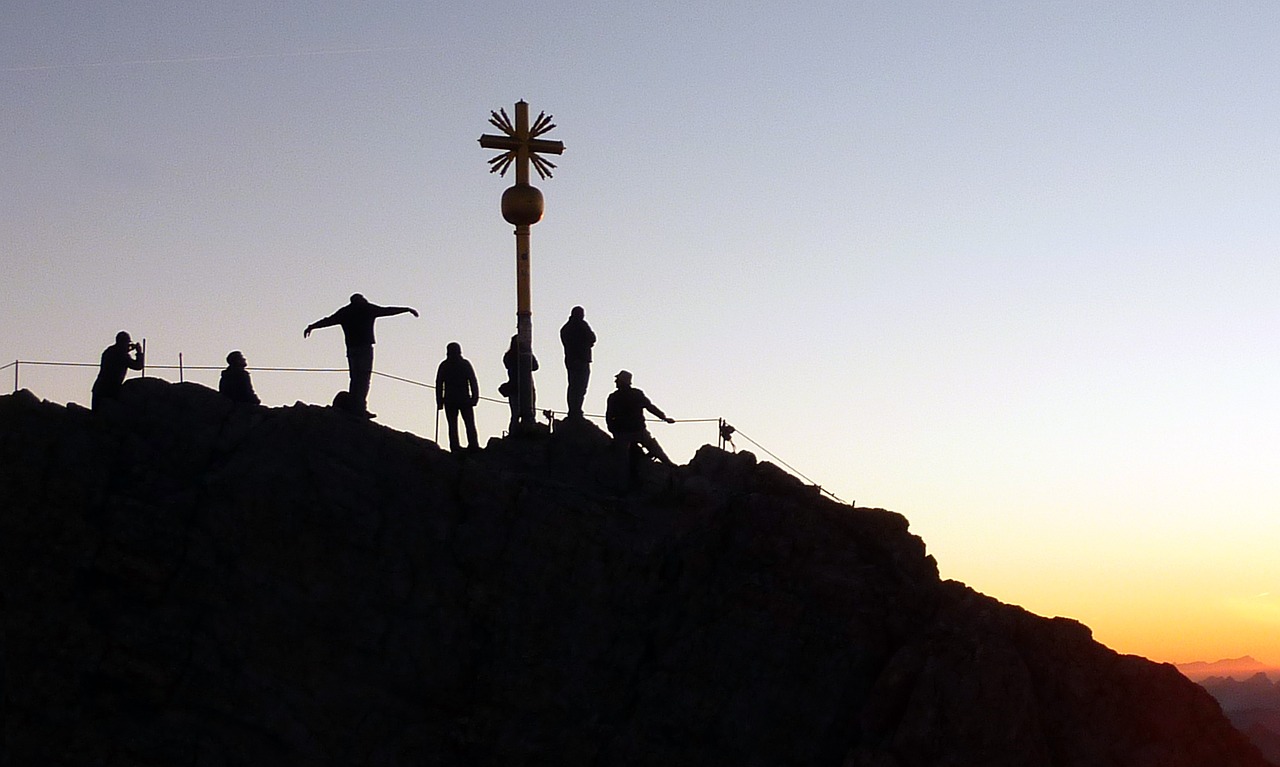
550, 413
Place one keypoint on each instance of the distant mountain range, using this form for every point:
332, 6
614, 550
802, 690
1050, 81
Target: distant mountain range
1245, 689
1234, 668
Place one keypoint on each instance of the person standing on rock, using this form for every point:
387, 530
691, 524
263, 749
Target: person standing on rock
457, 394
578, 338
521, 412
235, 384
117, 360
624, 416
356, 320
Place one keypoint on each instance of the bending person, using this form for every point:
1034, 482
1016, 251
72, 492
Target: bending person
117, 360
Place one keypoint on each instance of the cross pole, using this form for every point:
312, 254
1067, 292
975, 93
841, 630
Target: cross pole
522, 206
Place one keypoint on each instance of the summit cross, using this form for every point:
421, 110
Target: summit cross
520, 143
522, 206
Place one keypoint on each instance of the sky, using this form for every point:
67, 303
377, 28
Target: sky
1006, 268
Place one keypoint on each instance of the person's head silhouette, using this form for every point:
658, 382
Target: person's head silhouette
577, 313
123, 338
454, 349
356, 298
236, 359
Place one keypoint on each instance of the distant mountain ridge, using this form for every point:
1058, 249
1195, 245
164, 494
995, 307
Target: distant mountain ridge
189, 582
1253, 706
1236, 668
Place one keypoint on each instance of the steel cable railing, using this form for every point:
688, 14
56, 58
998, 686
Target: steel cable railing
726, 432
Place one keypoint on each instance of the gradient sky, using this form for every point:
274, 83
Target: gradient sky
1007, 268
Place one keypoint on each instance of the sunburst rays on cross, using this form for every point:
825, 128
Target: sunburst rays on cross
512, 143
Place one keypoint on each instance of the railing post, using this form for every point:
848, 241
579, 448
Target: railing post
15, 376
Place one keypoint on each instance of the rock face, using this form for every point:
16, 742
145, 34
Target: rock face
1253, 706
187, 582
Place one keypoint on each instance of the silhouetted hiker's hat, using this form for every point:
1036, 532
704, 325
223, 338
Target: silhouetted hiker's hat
623, 375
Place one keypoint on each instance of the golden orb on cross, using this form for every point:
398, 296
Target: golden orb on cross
522, 205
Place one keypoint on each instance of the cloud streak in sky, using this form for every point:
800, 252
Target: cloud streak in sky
212, 58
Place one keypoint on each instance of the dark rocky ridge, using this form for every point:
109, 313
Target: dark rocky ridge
190, 583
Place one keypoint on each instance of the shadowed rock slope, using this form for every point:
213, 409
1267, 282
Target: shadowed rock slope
190, 583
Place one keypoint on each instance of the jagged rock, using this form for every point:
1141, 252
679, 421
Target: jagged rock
190, 582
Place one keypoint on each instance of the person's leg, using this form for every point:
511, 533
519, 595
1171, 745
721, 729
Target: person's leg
618, 462
451, 415
469, 419
654, 448
528, 410
577, 390
360, 367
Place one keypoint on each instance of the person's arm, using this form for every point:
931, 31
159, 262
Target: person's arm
652, 408
610, 416
475, 385
387, 311
250, 394
327, 322
440, 387
137, 362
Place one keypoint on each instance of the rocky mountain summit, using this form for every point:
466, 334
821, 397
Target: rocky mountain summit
188, 582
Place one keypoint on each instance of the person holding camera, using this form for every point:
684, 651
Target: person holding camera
117, 360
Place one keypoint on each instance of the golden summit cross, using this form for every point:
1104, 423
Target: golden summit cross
522, 206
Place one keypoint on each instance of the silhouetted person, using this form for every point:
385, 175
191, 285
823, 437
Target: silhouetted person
624, 416
235, 384
117, 360
356, 319
457, 394
577, 337
521, 412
